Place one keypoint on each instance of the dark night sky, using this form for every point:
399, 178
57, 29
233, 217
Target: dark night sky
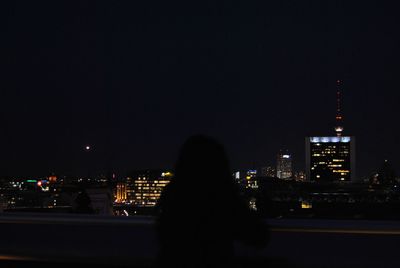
135, 79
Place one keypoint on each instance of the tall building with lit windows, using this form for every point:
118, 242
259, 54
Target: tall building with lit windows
144, 187
333, 158
284, 165
330, 159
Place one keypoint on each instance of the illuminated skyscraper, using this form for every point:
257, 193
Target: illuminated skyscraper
331, 159
284, 166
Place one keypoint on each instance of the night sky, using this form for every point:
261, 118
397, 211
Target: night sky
134, 79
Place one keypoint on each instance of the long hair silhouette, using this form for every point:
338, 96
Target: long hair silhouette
201, 213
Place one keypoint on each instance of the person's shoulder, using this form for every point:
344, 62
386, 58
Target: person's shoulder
166, 194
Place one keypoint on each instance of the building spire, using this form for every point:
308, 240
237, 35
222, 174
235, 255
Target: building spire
339, 118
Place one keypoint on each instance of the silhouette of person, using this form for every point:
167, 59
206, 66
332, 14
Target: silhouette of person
201, 213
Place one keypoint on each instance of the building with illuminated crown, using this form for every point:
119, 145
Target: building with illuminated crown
284, 166
331, 158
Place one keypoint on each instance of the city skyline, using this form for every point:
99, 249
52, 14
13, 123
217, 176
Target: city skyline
200, 133
134, 85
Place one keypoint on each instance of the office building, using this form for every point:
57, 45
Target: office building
330, 159
144, 188
284, 165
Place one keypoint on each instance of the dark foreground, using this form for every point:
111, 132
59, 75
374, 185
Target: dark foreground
67, 241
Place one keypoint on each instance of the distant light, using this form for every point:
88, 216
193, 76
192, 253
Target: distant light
285, 156
166, 174
237, 175
339, 129
39, 183
306, 205
87, 147
52, 178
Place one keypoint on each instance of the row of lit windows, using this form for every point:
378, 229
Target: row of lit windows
338, 160
151, 181
149, 184
147, 194
334, 166
147, 198
341, 171
149, 188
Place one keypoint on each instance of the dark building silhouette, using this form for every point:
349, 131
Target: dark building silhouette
83, 203
385, 175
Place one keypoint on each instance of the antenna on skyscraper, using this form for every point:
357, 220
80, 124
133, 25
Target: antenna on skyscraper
339, 118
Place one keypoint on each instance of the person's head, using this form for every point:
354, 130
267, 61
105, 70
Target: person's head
204, 158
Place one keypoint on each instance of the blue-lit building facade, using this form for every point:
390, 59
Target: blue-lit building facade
331, 159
